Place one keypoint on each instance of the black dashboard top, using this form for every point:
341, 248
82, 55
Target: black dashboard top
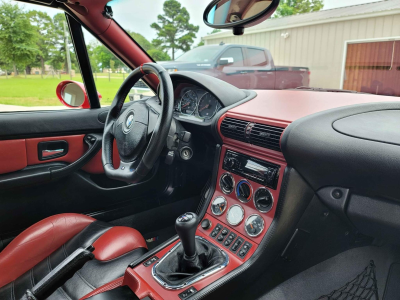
356, 147
199, 97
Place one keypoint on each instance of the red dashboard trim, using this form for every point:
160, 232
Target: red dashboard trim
282, 107
143, 275
248, 207
104, 288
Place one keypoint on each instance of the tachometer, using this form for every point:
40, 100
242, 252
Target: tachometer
208, 105
188, 103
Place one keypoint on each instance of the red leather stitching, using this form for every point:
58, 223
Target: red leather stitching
37, 242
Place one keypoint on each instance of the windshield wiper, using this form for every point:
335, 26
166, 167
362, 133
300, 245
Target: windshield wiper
306, 88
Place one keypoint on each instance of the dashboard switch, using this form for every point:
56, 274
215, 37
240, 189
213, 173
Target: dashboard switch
236, 245
185, 136
245, 249
206, 224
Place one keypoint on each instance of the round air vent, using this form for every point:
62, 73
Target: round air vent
244, 191
227, 183
263, 200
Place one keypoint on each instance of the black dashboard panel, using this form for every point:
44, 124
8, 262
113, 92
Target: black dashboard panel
380, 126
354, 155
225, 92
195, 103
204, 90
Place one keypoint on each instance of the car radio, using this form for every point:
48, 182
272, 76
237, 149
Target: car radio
252, 168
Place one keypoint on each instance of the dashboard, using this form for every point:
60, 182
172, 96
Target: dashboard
195, 103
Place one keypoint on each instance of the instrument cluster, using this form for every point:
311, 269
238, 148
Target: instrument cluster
196, 104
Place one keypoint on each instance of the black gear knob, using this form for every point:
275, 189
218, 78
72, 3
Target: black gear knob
186, 226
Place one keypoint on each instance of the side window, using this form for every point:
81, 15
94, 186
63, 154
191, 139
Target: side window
36, 54
109, 72
234, 57
257, 57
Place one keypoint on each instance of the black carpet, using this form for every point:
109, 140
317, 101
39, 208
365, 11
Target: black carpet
336, 272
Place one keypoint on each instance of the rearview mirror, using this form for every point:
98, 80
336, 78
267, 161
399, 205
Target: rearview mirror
238, 14
73, 94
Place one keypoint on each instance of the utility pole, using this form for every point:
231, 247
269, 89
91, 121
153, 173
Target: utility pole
67, 49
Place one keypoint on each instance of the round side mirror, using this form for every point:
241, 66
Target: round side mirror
72, 94
238, 14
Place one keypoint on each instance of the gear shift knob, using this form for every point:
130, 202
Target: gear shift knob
186, 226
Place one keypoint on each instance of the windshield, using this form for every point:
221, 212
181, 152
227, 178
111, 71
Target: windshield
317, 45
202, 54
320, 46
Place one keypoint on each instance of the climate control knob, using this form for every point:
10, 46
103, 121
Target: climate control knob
263, 200
244, 191
227, 183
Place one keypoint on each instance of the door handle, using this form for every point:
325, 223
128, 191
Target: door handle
52, 149
47, 153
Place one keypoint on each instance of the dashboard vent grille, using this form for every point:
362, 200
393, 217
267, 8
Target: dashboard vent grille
234, 129
265, 136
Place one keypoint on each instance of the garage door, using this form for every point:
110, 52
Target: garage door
373, 67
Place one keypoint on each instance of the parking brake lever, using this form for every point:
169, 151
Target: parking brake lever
59, 275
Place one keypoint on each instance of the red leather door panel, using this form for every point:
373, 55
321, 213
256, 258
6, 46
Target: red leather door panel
12, 156
18, 154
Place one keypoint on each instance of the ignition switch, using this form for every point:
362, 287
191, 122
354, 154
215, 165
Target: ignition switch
186, 153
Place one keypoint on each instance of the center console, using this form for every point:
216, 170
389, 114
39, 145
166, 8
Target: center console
233, 223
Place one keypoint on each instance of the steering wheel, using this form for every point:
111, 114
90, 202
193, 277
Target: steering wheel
141, 130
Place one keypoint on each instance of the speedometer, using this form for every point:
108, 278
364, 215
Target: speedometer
208, 105
188, 103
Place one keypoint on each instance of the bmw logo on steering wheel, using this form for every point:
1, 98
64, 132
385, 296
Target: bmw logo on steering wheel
129, 121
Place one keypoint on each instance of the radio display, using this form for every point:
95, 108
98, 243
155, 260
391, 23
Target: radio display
255, 169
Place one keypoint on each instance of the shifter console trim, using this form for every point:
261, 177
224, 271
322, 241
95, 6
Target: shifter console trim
193, 278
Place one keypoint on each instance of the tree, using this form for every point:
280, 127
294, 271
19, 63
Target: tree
212, 32
45, 35
17, 36
155, 53
158, 55
141, 40
175, 32
294, 7
58, 57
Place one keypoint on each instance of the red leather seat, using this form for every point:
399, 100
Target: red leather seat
41, 247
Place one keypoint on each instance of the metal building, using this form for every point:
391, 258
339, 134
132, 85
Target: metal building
331, 43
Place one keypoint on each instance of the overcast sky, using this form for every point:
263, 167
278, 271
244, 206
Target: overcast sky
137, 15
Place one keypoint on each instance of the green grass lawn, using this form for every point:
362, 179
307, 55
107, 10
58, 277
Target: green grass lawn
35, 91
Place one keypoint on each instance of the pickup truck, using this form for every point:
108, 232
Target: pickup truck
245, 67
